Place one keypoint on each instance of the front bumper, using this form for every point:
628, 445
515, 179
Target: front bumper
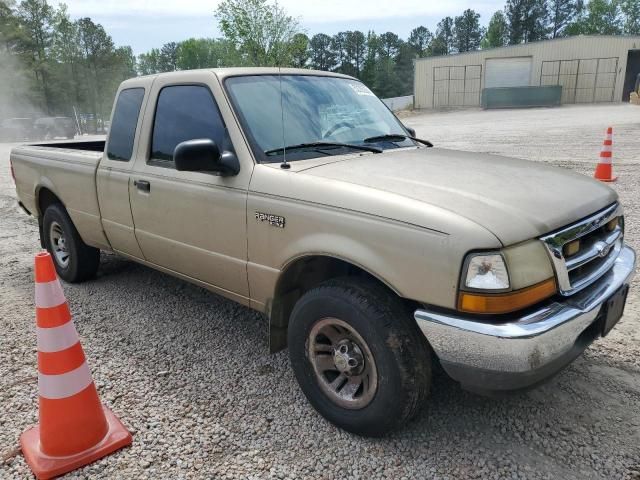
527, 349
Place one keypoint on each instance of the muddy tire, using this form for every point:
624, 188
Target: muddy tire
359, 356
75, 261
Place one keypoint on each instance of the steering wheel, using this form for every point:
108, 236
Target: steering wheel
338, 126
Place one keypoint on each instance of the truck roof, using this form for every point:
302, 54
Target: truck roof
222, 73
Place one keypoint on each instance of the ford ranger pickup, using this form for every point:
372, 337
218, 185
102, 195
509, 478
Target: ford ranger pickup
372, 253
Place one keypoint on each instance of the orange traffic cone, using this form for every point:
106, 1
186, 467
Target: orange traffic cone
74, 428
604, 168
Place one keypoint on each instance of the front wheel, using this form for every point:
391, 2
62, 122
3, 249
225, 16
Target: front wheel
358, 356
75, 261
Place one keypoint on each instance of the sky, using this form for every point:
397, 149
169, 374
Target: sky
144, 24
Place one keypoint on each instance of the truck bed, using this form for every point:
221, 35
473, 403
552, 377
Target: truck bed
88, 145
68, 171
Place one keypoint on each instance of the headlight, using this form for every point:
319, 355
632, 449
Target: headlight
488, 287
486, 272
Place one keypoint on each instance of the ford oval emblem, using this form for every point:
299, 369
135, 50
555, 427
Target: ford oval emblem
603, 250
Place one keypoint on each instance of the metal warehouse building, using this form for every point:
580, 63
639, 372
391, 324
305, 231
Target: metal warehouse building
589, 69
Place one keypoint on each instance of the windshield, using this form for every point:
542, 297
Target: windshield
312, 110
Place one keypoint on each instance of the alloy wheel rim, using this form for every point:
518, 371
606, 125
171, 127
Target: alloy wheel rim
343, 364
59, 245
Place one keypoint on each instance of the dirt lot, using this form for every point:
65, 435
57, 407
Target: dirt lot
188, 371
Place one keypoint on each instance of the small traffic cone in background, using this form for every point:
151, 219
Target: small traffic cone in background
604, 171
74, 428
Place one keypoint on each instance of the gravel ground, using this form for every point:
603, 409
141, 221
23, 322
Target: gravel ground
188, 371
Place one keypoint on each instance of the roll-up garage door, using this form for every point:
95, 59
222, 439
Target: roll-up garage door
508, 72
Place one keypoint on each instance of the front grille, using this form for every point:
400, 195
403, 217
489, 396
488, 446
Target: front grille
582, 252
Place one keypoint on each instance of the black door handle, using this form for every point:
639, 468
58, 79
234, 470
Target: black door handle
142, 185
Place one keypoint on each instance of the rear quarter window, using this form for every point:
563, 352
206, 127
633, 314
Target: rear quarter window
125, 120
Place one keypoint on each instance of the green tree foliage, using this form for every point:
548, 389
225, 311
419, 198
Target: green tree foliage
393, 57
51, 64
337, 46
389, 44
631, 11
438, 46
321, 55
601, 17
497, 34
419, 40
368, 75
98, 54
35, 17
355, 50
528, 20
561, 14
442, 43
168, 58
67, 56
300, 50
198, 53
404, 68
149, 63
16, 82
190, 54
467, 32
10, 32
260, 30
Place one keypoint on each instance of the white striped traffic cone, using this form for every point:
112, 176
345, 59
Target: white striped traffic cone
604, 168
75, 429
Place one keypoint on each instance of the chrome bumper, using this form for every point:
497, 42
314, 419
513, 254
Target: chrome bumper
527, 349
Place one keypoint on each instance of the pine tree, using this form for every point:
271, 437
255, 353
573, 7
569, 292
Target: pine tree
355, 45
338, 48
300, 50
444, 32
36, 18
527, 19
498, 32
322, 56
562, 13
467, 31
419, 40
368, 75
168, 58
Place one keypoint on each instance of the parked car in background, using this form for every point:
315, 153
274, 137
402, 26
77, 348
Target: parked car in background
52, 127
16, 129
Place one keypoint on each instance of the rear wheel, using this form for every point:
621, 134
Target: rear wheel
75, 261
358, 356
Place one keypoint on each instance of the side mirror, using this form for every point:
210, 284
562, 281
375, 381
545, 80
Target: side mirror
411, 131
203, 155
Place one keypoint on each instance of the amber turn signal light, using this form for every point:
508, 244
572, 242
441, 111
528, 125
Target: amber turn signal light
506, 302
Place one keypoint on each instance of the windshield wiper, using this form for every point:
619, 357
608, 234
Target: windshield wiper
319, 145
396, 137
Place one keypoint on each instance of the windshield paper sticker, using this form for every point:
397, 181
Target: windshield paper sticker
361, 89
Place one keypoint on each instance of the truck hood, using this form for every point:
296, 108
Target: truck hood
514, 199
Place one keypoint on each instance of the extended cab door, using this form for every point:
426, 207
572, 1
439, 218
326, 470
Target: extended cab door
113, 174
193, 223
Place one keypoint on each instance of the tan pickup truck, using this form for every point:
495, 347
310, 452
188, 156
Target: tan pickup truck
299, 194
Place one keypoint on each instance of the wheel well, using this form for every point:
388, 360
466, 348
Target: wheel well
298, 278
45, 198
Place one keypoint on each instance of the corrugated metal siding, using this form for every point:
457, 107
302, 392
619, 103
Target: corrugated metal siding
604, 74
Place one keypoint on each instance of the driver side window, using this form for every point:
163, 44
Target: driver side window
185, 112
